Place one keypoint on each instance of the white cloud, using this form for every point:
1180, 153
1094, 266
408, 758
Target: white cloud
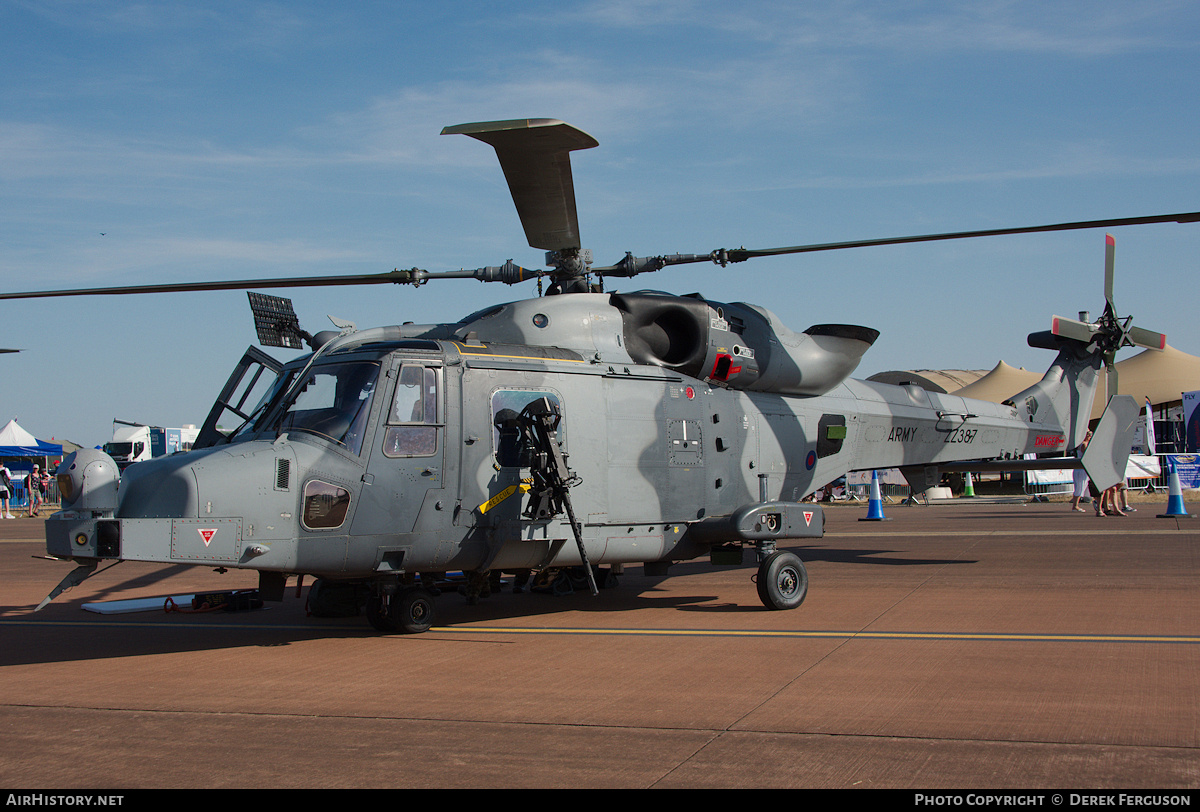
1072, 28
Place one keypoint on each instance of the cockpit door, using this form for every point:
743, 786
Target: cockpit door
404, 483
250, 383
414, 435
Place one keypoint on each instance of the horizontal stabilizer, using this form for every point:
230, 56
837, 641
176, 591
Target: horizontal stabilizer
1108, 452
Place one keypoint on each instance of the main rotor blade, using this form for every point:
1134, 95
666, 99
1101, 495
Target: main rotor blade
509, 273
741, 254
397, 277
535, 155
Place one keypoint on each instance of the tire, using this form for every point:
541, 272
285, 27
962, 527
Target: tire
412, 611
336, 598
782, 581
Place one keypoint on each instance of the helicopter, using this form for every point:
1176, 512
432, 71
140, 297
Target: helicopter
578, 430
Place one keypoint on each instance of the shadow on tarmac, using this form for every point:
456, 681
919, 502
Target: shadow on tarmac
64, 632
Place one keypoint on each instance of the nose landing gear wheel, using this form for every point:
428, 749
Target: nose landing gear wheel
782, 581
412, 611
409, 611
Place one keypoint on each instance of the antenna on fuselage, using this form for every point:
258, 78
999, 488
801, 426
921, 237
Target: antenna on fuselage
276, 322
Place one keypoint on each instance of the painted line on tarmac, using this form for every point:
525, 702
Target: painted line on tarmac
612, 632
1055, 638
1010, 532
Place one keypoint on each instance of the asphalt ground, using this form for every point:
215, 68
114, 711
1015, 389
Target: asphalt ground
962, 646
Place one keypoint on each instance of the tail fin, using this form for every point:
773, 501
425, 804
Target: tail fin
1062, 399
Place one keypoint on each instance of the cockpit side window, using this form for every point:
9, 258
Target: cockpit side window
413, 418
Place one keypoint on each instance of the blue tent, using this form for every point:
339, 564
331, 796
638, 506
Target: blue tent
16, 442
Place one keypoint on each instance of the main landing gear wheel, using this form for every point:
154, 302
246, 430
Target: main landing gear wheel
410, 611
782, 580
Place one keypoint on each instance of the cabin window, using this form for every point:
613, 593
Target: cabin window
507, 438
831, 432
413, 418
325, 505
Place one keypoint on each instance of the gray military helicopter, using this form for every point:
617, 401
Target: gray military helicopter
579, 429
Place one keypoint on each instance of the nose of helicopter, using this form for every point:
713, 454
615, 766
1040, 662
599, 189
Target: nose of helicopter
198, 506
163, 487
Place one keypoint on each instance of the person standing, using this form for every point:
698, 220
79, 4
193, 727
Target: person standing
1123, 500
6, 490
1080, 477
37, 488
1108, 502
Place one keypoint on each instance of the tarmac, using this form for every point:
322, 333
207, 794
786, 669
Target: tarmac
957, 646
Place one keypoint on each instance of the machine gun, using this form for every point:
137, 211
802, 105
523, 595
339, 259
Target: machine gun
552, 480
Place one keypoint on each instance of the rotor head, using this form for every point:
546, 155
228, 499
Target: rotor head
1110, 332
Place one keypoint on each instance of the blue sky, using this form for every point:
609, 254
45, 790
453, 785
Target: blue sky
146, 142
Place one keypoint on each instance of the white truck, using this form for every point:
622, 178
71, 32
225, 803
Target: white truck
134, 442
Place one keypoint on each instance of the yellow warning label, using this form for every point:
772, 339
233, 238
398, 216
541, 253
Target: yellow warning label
497, 499
500, 497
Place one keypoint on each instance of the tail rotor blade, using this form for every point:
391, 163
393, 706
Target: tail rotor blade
1146, 338
1110, 251
1070, 328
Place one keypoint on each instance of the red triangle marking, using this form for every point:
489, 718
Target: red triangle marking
808, 514
207, 534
